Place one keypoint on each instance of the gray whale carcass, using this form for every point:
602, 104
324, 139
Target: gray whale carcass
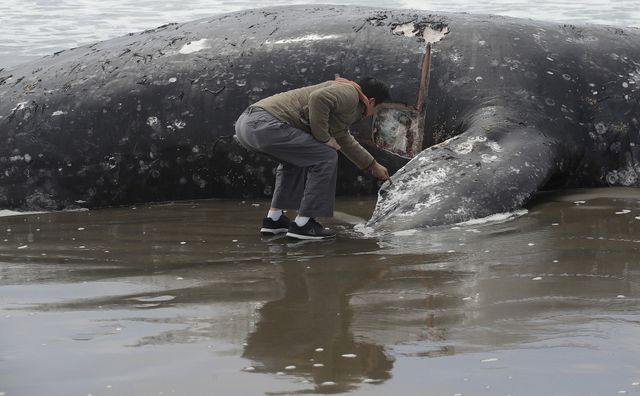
505, 106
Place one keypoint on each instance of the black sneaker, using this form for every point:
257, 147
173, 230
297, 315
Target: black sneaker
311, 230
273, 227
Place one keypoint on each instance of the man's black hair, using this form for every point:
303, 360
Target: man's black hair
376, 89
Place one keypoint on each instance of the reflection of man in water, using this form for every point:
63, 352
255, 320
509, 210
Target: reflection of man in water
303, 129
313, 313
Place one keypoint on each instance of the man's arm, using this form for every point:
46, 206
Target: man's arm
354, 151
361, 157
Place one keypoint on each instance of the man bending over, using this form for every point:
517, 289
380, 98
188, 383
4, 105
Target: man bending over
304, 129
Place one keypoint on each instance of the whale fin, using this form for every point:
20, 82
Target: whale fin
490, 169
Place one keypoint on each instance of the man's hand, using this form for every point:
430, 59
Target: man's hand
333, 144
379, 171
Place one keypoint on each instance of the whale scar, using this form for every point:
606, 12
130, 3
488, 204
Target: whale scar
399, 127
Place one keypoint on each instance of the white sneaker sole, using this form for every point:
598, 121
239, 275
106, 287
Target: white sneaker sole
308, 237
273, 231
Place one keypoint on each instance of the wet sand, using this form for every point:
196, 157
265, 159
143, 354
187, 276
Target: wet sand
188, 299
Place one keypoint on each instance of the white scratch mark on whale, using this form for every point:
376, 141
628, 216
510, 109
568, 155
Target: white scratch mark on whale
20, 106
194, 46
309, 37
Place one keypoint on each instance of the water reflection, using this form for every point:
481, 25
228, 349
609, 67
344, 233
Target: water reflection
310, 328
329, 317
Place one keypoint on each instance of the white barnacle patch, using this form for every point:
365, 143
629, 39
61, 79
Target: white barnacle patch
179, 124
601, 129
237, 158
432, 200
406, 29
488, 158
512, 64
429, 35
433, 35
634, 78
58, 113
194, 46
623, 177
464, 147
405, 200
467, 146
455, 57
153, 121
309, 37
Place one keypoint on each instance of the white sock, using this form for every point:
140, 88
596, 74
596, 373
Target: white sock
274, 214
301, 220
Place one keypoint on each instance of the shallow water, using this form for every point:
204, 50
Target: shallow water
187, 298
33, 28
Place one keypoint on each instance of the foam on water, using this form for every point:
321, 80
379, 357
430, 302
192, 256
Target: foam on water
496, 218
7, 213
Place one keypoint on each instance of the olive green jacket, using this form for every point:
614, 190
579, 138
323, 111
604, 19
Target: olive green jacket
325, 110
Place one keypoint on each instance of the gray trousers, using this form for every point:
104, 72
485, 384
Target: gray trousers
307, 173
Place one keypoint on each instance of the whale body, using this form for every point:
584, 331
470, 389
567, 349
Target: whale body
486, 111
